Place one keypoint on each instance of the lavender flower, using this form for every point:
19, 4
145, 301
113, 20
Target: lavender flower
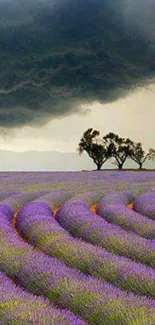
145, 204
96, 301
113, 209
20, 307
81, 222
43, 232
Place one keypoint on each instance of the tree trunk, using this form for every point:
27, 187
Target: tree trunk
99, 166
120, 165
140, 165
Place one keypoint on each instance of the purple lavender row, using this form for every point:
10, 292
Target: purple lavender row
54, 198
81, 222
89, 197
6, 194
41, 230
16, 201
145, 204
20, 307
14, 251
113, 209
120, 198
86, 181
95, 301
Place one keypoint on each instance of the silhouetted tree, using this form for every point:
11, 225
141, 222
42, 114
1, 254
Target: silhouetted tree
94, 146
138, 155
118, 147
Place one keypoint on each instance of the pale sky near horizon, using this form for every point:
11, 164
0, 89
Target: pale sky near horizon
132, 116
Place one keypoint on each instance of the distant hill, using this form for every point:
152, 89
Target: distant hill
53, 161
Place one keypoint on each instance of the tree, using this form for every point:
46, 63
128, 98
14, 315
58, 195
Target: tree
118, 147
94, 146
138, 155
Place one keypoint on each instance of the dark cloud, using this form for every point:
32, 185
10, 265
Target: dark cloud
57, 55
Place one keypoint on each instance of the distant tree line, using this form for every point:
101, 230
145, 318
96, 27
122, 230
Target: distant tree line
113, 146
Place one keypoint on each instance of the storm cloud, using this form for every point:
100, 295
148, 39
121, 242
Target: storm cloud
58, 55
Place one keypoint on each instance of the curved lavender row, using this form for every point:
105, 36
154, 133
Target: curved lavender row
96, 301
16, 201
20, 307
113, 210
145, 204
54, 198
81, 222
89, 197
123, 198
43, 231
14, 251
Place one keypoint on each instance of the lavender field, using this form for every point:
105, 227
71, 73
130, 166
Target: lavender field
77, 248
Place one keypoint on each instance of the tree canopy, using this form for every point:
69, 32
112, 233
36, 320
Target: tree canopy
112, 146
92, 144
118, 147
139, 156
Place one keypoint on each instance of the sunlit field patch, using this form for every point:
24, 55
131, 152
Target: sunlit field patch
55, 210
130, 206
14, 217
79, 250
93, 208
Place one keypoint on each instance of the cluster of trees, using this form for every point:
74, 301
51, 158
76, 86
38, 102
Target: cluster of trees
113, 146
